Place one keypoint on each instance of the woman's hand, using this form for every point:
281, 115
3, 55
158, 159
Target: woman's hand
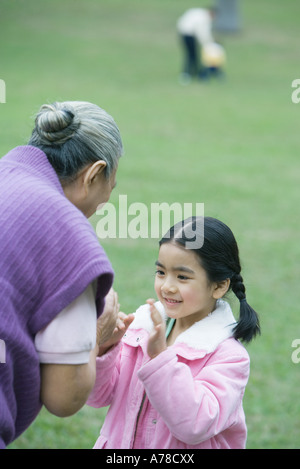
157, 338
112, 324
108, 319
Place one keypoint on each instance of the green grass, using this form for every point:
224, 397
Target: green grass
232, 145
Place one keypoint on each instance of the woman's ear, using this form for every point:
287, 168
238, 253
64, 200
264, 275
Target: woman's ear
221, 288
91, 172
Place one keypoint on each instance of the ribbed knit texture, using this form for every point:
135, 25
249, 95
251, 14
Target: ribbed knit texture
49, 254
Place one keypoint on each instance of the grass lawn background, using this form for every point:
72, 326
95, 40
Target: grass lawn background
232, 145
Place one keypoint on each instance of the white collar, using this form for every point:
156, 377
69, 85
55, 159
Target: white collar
205, 334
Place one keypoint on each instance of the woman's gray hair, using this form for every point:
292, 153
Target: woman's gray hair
74, 134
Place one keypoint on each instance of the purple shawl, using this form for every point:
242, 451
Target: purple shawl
49, 254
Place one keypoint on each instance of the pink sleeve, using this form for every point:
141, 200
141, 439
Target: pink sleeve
196, 408
107, 375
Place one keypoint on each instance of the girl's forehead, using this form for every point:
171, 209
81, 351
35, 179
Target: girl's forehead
174, 252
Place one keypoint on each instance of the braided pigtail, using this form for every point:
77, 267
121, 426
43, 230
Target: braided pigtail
248, 324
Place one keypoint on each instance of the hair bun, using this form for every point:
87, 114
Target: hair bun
56, 123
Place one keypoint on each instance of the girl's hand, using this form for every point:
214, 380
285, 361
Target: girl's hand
157, 340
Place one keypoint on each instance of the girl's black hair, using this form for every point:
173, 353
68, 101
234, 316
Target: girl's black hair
219, 257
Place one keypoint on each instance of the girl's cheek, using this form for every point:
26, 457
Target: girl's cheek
157, 287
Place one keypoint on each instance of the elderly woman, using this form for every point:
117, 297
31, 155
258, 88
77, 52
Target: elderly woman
54, 275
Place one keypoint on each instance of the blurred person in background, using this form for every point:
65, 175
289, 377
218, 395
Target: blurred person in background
195, 31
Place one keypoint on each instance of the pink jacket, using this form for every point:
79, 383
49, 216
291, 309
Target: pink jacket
194, 389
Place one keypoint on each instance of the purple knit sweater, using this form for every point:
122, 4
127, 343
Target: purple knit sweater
49, 254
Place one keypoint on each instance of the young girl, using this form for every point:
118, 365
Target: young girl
180, 384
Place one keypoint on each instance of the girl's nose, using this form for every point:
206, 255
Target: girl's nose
168, 287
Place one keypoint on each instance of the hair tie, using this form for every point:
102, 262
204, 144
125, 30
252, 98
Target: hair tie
243, 300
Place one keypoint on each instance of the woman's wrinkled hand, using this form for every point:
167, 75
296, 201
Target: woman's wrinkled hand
112, 324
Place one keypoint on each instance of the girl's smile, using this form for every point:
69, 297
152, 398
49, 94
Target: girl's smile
171, 302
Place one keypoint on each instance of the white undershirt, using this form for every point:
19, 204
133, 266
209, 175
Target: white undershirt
71, 335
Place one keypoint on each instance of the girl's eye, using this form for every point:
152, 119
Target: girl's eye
159, 272
183, 277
